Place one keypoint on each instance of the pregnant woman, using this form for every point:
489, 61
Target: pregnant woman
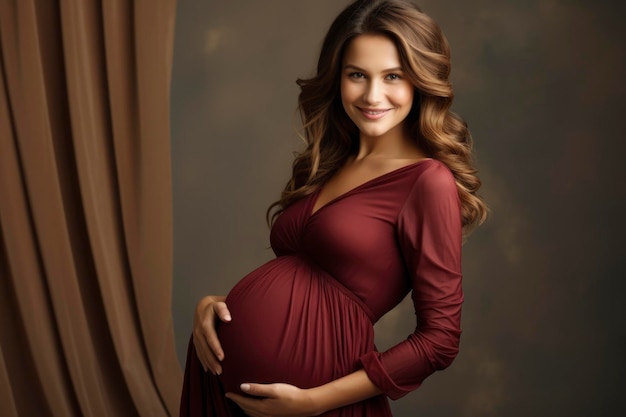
375, 209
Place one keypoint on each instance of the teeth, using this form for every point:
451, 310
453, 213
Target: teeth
374, 112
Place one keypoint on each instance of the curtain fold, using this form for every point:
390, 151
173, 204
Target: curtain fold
85, 209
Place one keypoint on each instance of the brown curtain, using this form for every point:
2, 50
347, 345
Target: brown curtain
85, 209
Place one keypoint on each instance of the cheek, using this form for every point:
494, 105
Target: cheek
404, 96
349, 92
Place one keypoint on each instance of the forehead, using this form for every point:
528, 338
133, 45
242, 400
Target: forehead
371, 52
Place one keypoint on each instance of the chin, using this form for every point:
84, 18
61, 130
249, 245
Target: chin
373, 133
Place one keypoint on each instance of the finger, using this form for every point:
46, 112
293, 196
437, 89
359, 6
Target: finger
211, 340
206, 356
259, 390
208, 326
200, 350
222, 311
204, 330
205, 338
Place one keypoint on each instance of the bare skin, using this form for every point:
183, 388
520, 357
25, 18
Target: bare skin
208, 347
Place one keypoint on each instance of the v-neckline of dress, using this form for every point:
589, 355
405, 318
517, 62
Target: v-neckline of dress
358, 187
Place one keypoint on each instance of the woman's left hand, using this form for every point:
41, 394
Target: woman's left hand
277, 400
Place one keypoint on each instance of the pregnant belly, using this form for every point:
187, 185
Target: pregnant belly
292, 323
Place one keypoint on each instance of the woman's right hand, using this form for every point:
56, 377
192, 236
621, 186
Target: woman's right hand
205, 339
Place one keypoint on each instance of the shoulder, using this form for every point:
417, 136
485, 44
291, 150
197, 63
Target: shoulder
432, 202
435, 177
434, 189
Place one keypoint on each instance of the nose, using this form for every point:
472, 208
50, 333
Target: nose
373, 92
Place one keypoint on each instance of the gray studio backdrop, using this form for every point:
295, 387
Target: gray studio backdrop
540, 83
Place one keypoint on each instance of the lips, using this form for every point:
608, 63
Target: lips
373, 114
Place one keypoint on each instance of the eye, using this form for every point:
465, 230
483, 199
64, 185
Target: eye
393, 77
356, 75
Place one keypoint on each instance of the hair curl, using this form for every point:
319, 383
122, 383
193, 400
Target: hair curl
330, 135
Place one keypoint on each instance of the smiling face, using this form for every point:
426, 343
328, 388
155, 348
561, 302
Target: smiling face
374, 90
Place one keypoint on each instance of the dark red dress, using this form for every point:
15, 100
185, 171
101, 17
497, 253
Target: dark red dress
306, 317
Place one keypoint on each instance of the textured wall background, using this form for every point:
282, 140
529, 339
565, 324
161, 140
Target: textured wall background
541, 85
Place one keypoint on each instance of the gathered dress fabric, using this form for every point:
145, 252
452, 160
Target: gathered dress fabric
306, 317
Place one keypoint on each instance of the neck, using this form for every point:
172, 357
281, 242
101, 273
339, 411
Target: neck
390, 145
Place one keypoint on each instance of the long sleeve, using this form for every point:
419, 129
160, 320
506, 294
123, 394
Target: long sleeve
429, 236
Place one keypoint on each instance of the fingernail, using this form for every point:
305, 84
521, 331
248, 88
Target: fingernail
218, 371
220, 356
227, 317
245, 387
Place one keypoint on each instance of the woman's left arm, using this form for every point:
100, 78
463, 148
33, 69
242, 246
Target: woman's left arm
429, 231
282, 400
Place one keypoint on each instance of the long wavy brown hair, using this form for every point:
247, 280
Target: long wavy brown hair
330, 135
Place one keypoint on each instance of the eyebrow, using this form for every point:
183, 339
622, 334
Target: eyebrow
354, 67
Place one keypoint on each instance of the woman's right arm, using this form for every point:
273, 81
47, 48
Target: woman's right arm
205, 339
